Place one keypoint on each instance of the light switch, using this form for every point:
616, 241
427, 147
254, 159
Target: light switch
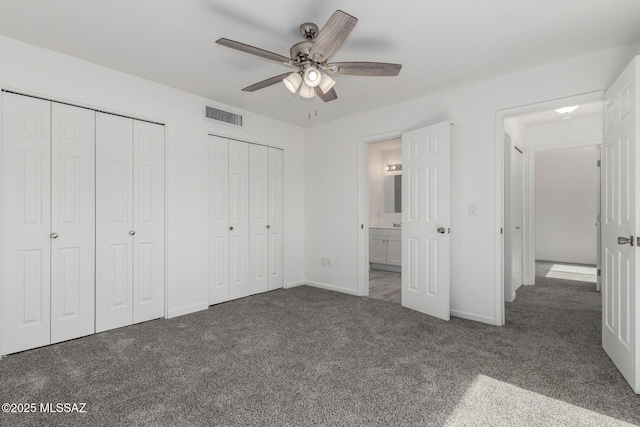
473, 208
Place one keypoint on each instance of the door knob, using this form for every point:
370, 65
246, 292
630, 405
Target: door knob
132, 233
268, 226
625, 240
54, 235
231, 228
441, 230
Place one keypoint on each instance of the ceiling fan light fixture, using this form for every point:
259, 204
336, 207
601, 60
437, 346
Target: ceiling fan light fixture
306, 91
326, 83
312, 76
292, 82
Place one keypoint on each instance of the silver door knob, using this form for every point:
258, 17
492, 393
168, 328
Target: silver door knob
625, 240
268, 226
231, 228
54, 235
441, 230
132, 233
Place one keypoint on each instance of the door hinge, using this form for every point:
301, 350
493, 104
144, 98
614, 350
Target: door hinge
501, 231
638, 241
362, 226
599, 163
599, 272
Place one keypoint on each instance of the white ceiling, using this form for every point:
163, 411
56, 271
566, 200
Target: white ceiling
441, 43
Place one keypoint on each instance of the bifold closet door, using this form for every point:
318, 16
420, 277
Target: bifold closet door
130, 221
266, 222
72, 222
26, 222
114, 221
259, 218
148, 221
276, 218
48, 161
228, 220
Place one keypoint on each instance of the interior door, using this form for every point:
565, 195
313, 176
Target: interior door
259, 218
148, 221
425, 220
26, 192
218, 220
516, 221
620, 182
238, 219
114, 221
276, 218
72, 222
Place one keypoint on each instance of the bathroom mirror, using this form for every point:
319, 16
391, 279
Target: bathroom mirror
393, 194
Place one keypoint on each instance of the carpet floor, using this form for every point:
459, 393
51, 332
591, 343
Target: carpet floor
308, 356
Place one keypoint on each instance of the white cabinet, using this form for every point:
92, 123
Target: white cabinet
48, 222
245, 219
130, 221
385, 249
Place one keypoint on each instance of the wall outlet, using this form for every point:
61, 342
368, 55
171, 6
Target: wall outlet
328, 262
325, 262
473, 208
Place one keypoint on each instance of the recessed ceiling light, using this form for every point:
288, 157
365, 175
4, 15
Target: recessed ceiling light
566, 110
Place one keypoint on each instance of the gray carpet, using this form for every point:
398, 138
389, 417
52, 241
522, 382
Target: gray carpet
307, 356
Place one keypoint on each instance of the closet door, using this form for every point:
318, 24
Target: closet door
259, 218
72, 222
26, 222
238, 219
114, 219
276, 218
148, 221
218, 220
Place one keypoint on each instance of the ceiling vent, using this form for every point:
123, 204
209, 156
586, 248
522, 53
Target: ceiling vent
223, 116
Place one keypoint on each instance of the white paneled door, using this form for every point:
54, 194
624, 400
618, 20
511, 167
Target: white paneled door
259, 218
516, 222
129, 220
148, 221
620, 225
276, 218
72, 222
425, 220
218, 220
245, 219
26, 222
238, 219
48, 222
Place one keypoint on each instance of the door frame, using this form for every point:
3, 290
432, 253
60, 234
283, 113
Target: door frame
524, 218
501, 181
363, 205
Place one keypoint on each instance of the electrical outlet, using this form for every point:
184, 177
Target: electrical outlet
328, 262
473, 208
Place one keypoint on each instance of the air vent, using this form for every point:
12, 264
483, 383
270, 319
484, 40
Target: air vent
223, 116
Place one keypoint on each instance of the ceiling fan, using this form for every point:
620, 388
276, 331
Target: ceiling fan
310, 58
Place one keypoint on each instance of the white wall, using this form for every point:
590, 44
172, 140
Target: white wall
33, 70
332, 172
382, 154
566, 205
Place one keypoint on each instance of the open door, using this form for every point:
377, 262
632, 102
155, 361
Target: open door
425, 220
620, 182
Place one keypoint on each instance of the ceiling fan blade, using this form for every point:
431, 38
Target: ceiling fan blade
266, 83
364, 68
252, 50
332, 36
326, 97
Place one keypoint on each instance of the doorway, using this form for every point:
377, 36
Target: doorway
552, 201
384, 211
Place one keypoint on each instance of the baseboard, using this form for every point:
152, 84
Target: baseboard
187, 310
474, 317
332, 288
293, 285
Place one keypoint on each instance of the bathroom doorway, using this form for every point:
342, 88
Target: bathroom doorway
385, 220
